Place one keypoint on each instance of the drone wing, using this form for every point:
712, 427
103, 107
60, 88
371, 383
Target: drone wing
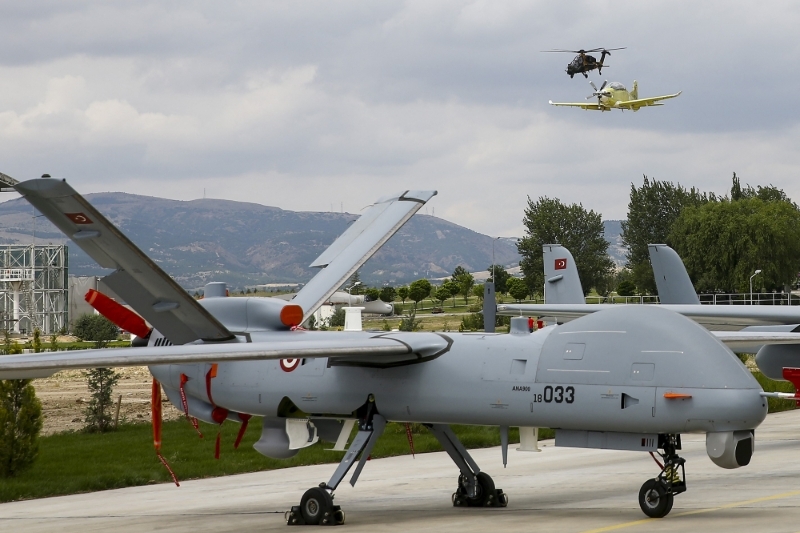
645, 102
137, 279
377, 350
583, 105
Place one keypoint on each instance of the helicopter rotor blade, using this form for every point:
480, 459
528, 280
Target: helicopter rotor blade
567, 51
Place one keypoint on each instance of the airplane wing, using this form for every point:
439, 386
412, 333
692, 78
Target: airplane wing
736, 340
353, 247
583, 105
137, 279
645, 102
379, 350
719, 317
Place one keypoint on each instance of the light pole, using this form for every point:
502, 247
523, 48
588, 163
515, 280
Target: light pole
756, 273
349, 295
494, 281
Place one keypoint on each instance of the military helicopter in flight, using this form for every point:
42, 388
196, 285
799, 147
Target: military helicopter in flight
584, 62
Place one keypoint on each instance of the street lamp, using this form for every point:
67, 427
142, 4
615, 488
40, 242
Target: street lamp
494, 280
354, 285
756, 273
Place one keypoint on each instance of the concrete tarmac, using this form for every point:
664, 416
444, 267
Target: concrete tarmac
559, 489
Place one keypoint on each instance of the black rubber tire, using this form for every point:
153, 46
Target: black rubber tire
486, 492
654, 500
315, 503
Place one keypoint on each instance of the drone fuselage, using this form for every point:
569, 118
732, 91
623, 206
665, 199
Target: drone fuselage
591, 374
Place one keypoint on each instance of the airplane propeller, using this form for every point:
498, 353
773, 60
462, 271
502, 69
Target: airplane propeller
598, 92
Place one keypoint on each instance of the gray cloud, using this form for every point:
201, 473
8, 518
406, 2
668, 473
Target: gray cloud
304, 105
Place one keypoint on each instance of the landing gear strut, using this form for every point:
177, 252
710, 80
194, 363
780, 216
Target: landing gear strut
475, 488
656, 495
316, 507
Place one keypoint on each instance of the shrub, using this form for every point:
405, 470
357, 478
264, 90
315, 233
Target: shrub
20, 424
101, 383
626, 288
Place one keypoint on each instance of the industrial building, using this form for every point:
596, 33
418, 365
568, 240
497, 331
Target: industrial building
33, 288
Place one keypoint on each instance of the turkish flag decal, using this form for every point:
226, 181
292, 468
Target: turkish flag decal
561, 264
78, 218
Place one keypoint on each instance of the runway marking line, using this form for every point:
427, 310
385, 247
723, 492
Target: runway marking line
697, 511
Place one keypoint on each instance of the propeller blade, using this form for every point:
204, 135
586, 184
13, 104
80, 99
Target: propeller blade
594, 86
604, 85
120, 315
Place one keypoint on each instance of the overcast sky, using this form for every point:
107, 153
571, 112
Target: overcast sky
317, 105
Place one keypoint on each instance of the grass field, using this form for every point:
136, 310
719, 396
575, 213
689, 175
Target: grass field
69, 463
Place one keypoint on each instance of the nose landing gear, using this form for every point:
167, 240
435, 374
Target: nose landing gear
656, 495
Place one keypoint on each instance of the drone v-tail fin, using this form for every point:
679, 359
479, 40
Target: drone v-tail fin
357, 244
672, 280
143, 285
561, 280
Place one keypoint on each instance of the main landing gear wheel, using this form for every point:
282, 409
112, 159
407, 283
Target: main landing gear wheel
654, 499
486, 495
316, 508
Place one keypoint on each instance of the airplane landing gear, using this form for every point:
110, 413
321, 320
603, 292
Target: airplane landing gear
485, 494
316, 507
475, 488
656, 495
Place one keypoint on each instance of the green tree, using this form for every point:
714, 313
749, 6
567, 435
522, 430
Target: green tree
402, 293
372, 294
20, 424
95, 328
477, 291
548, 221
652, 210
337, 318
465, 283
765, 194
722, 243
517, 288
451, 288
441, 294
458, 271
499, 271
37, 341
626, 287
388, 294
418, 291
101, 383
355, 278
53, 343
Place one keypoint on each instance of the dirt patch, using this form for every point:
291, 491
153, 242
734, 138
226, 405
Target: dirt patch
64, 396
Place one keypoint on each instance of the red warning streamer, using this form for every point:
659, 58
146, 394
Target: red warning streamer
245, 420
212, 373
218, 414
410, 439
185, 404
155, 408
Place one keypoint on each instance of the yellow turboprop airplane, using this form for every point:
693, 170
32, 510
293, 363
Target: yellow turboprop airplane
616, 96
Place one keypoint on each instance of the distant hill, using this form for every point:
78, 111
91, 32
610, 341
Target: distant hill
247, 244
612, 230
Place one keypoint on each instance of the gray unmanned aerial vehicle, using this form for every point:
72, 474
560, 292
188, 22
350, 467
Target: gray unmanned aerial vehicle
617, 379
